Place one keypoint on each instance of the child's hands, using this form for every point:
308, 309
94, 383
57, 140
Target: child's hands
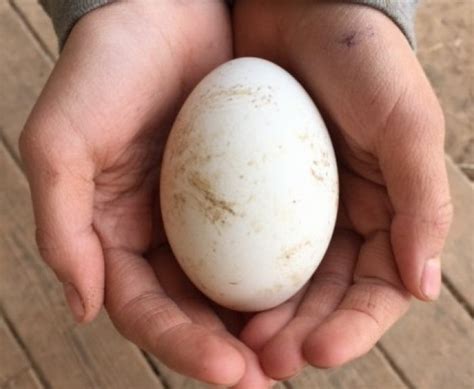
92, 149
395, 208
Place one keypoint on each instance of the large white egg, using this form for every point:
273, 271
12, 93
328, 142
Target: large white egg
249, 185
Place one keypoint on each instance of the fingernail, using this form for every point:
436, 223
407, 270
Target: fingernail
74, 301
431, 279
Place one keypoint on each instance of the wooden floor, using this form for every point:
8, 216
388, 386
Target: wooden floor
40, 347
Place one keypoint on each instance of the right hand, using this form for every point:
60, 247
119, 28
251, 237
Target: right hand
92, 149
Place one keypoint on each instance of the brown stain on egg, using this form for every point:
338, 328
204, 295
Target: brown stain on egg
295, 279
211, 204
316, 176
314, 171
303, 137
256, 226
325, 159
290, 252
181, 138
179, 202
215, 96
277, 288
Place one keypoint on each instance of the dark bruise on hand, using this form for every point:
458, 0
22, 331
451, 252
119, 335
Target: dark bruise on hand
349, 39
353, 37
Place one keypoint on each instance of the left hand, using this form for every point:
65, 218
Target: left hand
388, 132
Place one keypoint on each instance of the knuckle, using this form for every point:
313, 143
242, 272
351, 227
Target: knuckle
380, 302
418, 112
442, 218
142, 313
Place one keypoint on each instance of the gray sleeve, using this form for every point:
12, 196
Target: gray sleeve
402, 12
65, 13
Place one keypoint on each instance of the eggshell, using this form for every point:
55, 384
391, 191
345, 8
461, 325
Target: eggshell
249, 185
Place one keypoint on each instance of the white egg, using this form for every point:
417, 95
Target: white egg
249, 186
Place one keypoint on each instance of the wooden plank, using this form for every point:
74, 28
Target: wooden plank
12, 358
26, 379
433, 344
40, 23
101, 345
444, 31
175, 380
67, 356
370, 371
458, 256
24, 69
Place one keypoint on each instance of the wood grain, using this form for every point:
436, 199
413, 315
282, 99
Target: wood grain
458, 255
12, 359
40, 23
24, 69
445, 30
370, 371
433, 345
26, 379
177, 381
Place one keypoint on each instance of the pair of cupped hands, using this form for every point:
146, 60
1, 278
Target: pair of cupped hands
92, 149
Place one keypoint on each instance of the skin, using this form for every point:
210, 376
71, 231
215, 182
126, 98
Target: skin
92, 148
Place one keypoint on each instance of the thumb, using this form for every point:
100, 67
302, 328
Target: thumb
412, 161
62, 188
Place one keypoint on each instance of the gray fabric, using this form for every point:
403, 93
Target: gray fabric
65, 13
402, 12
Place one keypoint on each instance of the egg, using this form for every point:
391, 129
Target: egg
249, 186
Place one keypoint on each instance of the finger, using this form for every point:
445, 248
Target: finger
265, 325
190, 301
143, 313
254, 376
282, 356
412, 161
60, 173
371, 305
